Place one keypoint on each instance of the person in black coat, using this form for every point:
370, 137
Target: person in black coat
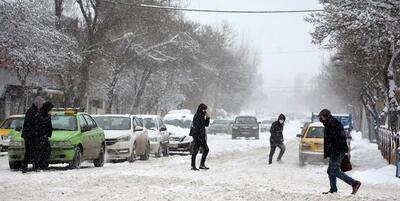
201, 120
45, 130
335, 148
30, 135
276, 139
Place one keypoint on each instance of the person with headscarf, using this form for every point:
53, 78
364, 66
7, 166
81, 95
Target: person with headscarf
45, 130
276, 139
201, 120
30, 134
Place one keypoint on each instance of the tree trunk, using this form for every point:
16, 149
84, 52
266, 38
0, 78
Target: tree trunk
145, 77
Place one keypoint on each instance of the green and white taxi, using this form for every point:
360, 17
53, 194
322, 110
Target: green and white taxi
76, 137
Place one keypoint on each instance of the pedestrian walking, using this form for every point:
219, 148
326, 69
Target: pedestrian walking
201, 120
30, 135
276, 139
335, 148
45, 130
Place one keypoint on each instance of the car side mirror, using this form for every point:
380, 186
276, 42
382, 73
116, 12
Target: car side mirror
299, 135
139, 128
85, 128
18, 128
163, 129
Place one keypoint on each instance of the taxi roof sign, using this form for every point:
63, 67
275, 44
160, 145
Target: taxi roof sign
69, 110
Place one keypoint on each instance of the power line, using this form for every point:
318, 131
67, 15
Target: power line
289, 52
146, 6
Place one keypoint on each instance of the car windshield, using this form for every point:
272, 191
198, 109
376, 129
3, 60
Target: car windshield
246, 120
315, 132
13, 123
267, 121
178, 123
64, 123
149, 123
113, 123
221, 122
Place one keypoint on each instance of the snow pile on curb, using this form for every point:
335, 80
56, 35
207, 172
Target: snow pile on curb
374, 169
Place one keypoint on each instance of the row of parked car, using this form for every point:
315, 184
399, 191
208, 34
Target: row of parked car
78, 136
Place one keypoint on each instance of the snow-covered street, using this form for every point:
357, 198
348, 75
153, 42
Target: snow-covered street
239, 171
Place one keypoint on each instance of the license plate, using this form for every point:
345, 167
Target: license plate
173, 145
245, 133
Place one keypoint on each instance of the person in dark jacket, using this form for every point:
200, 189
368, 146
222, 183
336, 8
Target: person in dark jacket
201, 120
30, 136
45, 130
276, 139
335, 148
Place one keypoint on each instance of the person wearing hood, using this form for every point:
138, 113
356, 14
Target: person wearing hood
276, 139
335, 148
45, 130
201, 120
30, 134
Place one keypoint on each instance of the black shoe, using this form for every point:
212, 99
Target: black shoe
270, 162
356, 185
329, 192
194, 168
203, 167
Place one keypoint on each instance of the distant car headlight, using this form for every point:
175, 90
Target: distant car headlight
124, 138
16, 144
62, 144
254, 127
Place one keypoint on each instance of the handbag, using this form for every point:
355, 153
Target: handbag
346, 164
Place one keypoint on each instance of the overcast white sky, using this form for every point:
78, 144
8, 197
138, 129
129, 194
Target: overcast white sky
283, 39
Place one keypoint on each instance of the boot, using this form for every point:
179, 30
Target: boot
194, 168
203, 167
356, 185
329, 192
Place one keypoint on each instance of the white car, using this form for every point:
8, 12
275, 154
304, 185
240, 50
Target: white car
159, 137
178, 123
125, 136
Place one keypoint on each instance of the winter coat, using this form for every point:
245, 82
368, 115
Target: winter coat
45, 128
335, 139
30, 122
198, 130
277, 131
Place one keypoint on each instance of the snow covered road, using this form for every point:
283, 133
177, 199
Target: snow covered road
239, 171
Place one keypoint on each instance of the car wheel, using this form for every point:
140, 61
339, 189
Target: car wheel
301, 161
132, 157
159, 151
146, 155
166, 150
77, 160
15, 165
99, 162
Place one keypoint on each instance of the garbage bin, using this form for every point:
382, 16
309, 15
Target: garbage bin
398, 162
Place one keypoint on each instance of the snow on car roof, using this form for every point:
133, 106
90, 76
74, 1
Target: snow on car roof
183, 111
146, 116
110, 115
17, 116
179, 116
316, 124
